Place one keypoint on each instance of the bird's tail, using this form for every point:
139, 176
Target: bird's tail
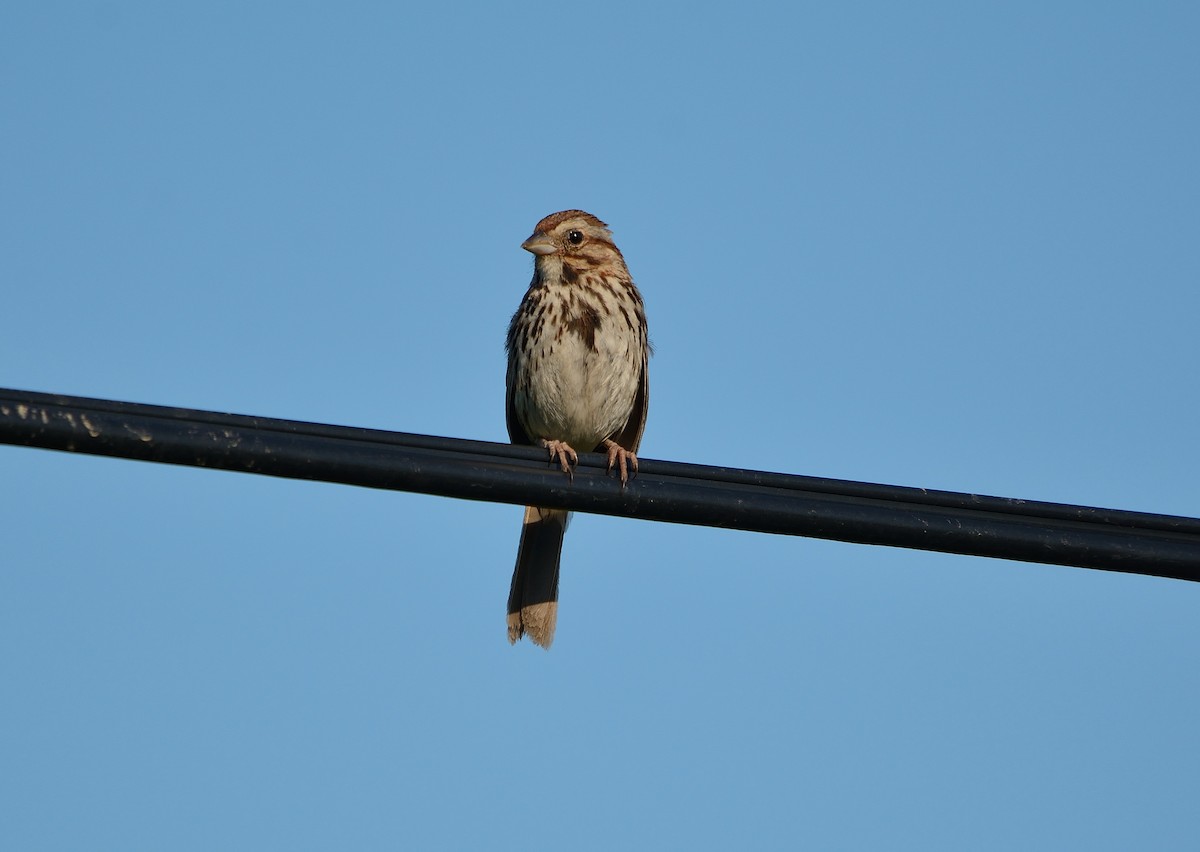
533, 599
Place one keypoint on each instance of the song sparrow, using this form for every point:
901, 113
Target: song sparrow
577, 381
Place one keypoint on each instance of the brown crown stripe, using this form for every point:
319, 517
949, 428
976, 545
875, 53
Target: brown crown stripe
555, 219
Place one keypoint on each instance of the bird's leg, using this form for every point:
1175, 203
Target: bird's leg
561, 452
622, 458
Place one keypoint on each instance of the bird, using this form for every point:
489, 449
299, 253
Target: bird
577, 381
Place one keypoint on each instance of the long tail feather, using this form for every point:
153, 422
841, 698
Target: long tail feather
533, 598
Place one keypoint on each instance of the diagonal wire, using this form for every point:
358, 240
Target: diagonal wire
867, 513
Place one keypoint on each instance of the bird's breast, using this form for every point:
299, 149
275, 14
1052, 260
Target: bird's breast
577, 375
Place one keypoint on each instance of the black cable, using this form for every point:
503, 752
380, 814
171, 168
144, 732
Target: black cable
1053, 533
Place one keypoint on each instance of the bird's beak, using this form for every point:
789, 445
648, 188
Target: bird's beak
539, 244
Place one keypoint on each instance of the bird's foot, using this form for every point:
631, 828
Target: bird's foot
561, 452
623, 459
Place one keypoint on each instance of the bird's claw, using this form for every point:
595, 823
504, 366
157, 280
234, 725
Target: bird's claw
623, 459
561, 452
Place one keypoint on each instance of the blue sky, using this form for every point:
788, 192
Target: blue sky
950, 245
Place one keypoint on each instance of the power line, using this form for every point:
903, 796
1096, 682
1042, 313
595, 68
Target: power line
1052, 533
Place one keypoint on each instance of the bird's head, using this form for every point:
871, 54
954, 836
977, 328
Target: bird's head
573, 238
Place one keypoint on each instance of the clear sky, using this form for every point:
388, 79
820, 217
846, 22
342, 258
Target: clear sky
947, 245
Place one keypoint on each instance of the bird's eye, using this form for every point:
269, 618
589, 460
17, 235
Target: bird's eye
575, 237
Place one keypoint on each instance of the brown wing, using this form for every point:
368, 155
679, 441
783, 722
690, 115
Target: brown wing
630, 435
516, 432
